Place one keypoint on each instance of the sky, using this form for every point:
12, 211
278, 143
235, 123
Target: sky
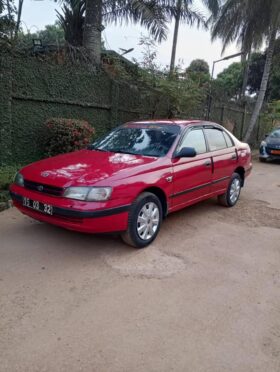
193, 43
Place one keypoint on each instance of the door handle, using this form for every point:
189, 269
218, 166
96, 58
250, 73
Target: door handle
234, 157
207, 163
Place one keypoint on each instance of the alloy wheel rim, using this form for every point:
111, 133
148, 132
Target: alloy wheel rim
234, 190
148, 221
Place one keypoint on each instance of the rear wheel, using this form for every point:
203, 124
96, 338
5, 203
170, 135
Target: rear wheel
144, 220
231, 196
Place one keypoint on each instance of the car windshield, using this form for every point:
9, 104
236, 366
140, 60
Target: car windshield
275, 134
149, 139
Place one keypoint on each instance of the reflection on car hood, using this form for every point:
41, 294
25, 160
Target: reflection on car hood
85, 167
272, 141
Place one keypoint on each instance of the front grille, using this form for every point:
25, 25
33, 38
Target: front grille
41, 187
275, 147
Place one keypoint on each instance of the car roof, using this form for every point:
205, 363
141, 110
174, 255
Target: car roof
181, 123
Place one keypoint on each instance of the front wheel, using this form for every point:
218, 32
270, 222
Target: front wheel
144, 220
231, 196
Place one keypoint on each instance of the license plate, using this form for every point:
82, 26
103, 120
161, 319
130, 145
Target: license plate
37, 206
276, 152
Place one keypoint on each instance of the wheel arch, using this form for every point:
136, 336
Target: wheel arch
161, 195
241, 172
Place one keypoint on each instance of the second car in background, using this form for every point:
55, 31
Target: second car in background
270, 146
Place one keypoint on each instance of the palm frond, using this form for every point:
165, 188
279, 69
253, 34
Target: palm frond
146, 13
247, 22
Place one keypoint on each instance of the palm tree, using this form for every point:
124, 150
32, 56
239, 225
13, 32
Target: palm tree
146, 12
71, 19
183, 10
7, 23
227, 25
152, 14
271, 26
19, 13
250, 23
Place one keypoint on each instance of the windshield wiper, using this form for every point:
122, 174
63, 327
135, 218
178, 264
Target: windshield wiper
123, 152
92, 147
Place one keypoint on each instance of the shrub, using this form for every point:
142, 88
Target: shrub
66, 135
7, 175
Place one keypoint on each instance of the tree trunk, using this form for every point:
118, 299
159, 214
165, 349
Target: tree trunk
9, 15
175, 36
9, 9
19, 12
92, 30
246, 62
263, 88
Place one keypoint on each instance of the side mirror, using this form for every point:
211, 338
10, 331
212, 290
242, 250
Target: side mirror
186, 152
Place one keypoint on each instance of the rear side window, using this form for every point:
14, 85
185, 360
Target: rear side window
195, 138
228, 140
216, 139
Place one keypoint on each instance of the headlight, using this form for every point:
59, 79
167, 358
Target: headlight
88, 193
263, 143
19, 180
99, 193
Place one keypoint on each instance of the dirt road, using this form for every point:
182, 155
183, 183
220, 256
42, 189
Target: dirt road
204, 297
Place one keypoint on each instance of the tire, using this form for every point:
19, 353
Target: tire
262, 160
144, 221
230, 197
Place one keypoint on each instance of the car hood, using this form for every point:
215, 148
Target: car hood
86, 167
272, 141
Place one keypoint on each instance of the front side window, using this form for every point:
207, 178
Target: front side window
148, 139
195, 138
216, 139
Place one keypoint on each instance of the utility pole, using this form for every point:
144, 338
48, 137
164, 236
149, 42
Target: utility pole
212, 78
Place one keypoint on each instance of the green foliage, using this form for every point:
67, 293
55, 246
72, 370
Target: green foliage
185, 92
199, 66
148, 14
184, 95
271, 117
71, 19
149, 55
247, 22
250, 23
257, 62
274, 82
7, 19
4, 197
198, 71
229, 82
66, 135
42, 88
51, 34
7, 175
45, 88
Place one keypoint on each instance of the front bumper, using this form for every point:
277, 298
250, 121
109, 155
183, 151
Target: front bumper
106, 220
265, 153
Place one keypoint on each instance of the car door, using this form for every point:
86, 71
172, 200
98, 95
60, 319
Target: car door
224, 157
191, 176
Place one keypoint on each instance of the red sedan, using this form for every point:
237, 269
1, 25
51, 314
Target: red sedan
129, 180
